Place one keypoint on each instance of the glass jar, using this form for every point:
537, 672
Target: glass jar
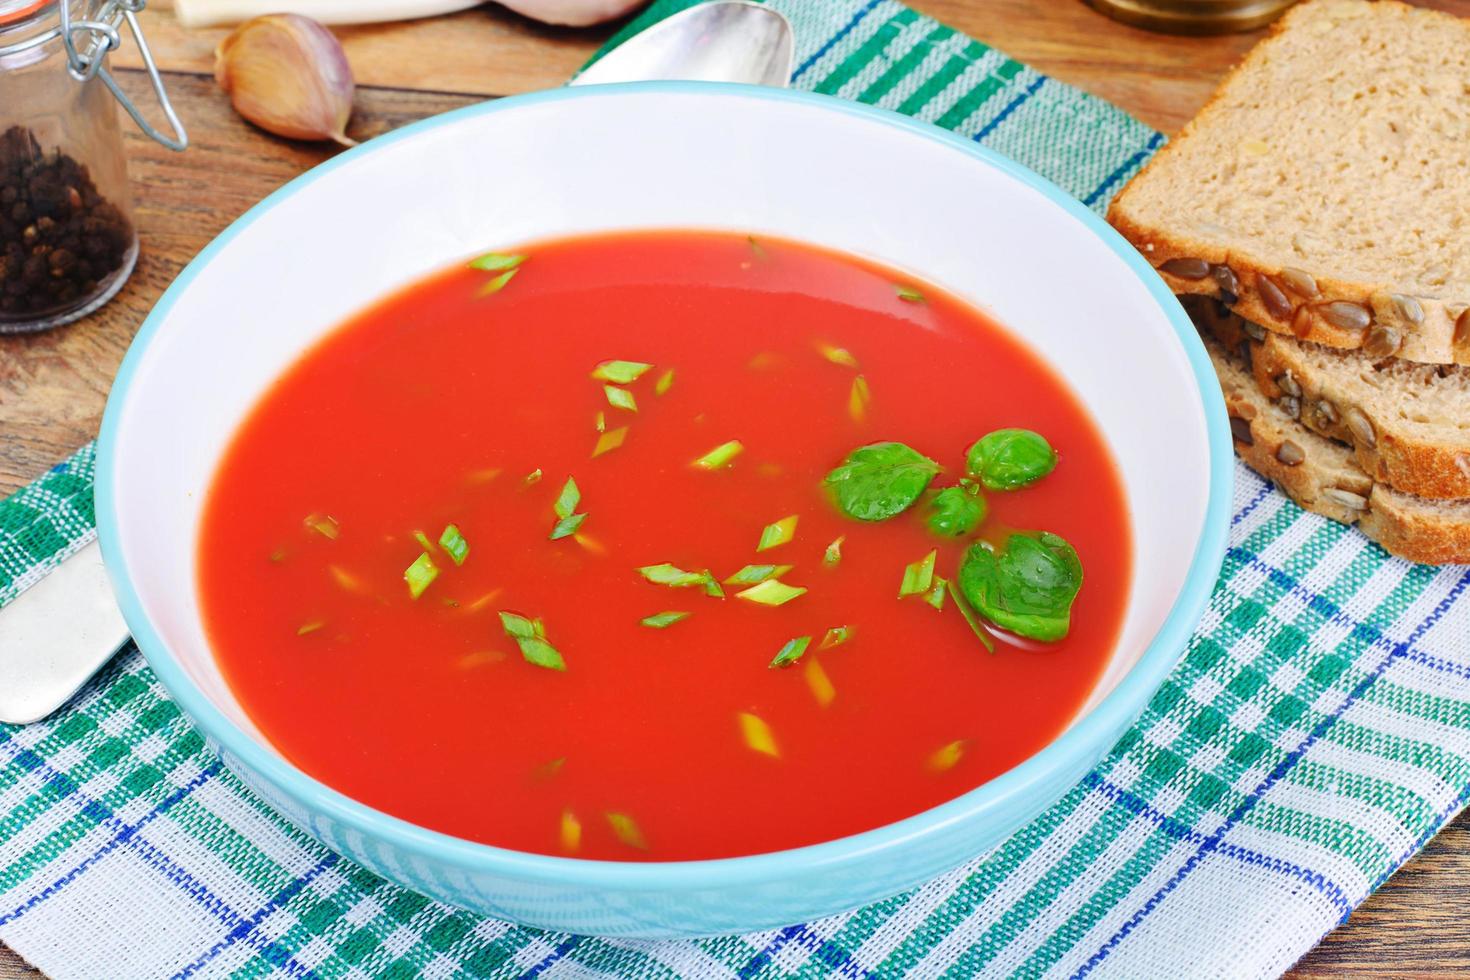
1194, 16
67, 241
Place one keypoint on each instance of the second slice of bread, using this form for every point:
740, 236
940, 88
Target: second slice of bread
1408, 423
1322, 476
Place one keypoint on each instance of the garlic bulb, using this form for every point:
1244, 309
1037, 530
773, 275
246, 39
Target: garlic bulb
573, 13
287, 74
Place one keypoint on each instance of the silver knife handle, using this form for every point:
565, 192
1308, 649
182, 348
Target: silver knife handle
55, 635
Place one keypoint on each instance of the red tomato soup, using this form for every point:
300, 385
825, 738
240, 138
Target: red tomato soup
519, 698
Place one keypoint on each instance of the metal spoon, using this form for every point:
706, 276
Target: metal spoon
64, 628
723, 41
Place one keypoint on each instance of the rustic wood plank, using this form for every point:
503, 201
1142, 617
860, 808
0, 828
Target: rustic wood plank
490, 51
487, 51
12, 967
1160, 78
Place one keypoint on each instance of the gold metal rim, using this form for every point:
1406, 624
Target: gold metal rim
1193, 16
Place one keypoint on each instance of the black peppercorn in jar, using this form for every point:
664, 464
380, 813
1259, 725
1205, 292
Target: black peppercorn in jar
67, 241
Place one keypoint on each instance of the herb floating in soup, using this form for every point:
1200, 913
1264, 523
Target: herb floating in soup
664, 546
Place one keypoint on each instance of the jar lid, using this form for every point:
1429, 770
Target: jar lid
16, 10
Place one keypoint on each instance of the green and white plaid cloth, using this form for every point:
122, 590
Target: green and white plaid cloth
1316, 734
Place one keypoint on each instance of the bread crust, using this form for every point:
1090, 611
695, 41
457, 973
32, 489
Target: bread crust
1440, 336
1419, 468
1414, 467
1404, 526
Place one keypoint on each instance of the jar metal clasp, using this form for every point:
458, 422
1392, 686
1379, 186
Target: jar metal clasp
87, 43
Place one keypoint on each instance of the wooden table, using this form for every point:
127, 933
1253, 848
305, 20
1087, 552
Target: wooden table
53, 385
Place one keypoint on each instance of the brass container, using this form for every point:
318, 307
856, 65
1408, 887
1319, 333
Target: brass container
1193, 16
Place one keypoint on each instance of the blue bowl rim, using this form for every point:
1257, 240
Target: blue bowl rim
1065, 754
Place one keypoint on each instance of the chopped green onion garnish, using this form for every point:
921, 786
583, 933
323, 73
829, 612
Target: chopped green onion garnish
756, 248
819, 682
620, 372
918, 576
771, 592
498, 283
948, 756
858, 399
532, 477
836, 636
981, 632
327, 527
908, 293
791, 652
424, 542
720, 455
838, 355
483, 476
626, 830
537, 651
758, 735
310, 627
664, 383
599, 422
567, 500
496, 262
454, 544
669, 575
833, 554
530, 636
420, 574
620, 398
610, 440
935, 596
755, 574
279, 555
664, 620
778, 533
571, 832
566, 527
518, 627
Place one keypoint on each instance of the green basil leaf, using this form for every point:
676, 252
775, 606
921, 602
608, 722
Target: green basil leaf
1028, 588
1007, 459
956, 512
877, 481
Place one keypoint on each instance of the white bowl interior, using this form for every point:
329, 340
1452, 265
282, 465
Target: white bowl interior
649, 159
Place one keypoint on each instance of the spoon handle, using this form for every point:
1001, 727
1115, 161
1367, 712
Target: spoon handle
55, 635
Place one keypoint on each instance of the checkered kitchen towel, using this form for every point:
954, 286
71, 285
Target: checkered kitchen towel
1316, 734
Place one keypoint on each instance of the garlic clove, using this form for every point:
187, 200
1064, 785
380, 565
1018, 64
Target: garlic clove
288, 75
573, 13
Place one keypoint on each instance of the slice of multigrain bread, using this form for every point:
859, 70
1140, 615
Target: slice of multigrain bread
1322, 476
1408, 423
1323, 189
